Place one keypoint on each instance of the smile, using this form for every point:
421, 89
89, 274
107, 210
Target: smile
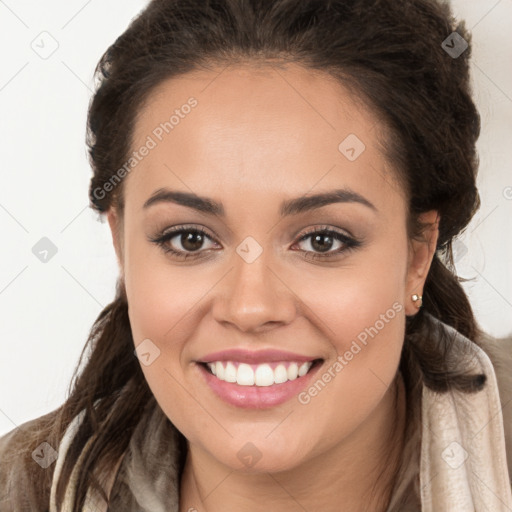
257, 386
266, 374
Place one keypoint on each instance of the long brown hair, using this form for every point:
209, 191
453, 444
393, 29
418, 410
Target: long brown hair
389, 53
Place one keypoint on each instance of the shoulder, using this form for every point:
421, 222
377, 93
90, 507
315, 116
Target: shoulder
27, 456
499, 351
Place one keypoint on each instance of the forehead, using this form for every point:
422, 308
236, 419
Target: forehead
257, 128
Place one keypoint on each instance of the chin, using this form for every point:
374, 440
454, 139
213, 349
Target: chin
260, 455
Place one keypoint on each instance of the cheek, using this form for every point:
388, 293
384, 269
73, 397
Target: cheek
353, 298
367, 358
159, 293
163, 308
158, 302
362, 315
166, 303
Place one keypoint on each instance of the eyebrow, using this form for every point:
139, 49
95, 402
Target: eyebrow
289, 207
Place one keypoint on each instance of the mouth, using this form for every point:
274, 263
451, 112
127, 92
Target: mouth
257, 379
257, 385
259, 375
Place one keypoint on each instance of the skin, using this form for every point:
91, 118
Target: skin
260, 135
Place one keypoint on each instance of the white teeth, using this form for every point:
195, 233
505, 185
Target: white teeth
219, 370
262, 375
280, 374
303, 369
244, 375
293, 371
230, 372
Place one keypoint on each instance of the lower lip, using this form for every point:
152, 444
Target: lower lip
256, 397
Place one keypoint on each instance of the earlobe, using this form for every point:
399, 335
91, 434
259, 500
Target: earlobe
420, 258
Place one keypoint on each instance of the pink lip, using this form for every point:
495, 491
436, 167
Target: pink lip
255, 357
256, 397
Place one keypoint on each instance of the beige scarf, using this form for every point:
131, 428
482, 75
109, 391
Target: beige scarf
463, 457
463, 464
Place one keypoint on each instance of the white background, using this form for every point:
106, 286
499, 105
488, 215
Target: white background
48, 308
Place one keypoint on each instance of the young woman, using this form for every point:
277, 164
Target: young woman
283, 181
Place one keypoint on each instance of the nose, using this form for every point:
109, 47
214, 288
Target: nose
253, 297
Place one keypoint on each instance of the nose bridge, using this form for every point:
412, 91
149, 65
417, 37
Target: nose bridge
253, 295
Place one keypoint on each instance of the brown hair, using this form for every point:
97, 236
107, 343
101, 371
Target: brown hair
386, 51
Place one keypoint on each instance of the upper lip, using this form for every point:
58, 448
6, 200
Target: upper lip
254, 356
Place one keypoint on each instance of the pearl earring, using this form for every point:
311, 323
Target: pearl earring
418, 300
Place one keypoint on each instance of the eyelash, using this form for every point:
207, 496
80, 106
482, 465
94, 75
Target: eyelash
165, 236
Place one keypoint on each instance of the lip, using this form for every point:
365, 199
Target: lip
256, 397
255, 357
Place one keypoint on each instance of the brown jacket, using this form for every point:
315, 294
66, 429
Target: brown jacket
148, 477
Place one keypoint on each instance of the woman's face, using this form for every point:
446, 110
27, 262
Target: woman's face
261, 144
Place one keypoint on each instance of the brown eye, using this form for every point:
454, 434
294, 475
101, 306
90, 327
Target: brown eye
191, 241
321, 242
183, 241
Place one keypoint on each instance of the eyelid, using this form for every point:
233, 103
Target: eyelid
186, 227
168, 234
323, 228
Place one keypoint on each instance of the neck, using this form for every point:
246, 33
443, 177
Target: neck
358, 473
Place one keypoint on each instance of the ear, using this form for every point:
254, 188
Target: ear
421, 253
116, 229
